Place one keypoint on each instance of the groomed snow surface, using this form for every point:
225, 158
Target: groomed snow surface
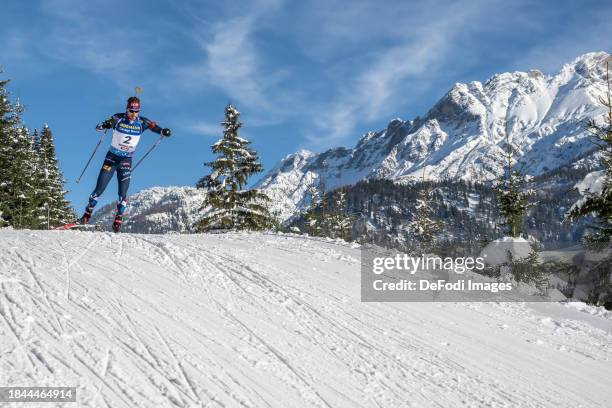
263, 320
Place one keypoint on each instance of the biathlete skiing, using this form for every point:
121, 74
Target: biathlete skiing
127, 128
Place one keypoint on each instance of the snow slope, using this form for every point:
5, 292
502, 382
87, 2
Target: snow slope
262, 320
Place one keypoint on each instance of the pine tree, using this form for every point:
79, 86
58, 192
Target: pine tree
600, 204
323, 205
9, 124
340, 223
18, 178
52, 207
423, 228
31, 185
512, 197
232, 207
313, 216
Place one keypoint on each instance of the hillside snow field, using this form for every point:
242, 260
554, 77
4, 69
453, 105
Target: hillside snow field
265, 320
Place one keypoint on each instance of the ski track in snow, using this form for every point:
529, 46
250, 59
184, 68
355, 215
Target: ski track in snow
265, 320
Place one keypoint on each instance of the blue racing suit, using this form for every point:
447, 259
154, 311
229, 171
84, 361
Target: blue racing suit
125, 138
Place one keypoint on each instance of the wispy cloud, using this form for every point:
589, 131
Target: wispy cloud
13, 44
232, 61
76, 37
367, 58
205, 129
420, 49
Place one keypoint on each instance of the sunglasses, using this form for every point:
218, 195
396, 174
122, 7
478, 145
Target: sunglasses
133, 110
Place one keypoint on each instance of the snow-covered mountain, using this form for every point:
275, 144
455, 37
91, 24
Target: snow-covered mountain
265, 320
463, 135
157, 210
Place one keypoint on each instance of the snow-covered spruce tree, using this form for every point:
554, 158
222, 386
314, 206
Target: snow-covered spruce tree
323, 207
231, 207
313, 217
340, 223
600, 204
512, 197
52, 207
20, 202
10, 119
513, 202
423, 228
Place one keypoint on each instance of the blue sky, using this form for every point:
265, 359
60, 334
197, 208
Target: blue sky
304, 74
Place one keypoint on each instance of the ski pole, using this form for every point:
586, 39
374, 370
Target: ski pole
92, 155
148, 151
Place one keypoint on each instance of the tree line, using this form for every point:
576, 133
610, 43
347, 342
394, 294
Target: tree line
32, 193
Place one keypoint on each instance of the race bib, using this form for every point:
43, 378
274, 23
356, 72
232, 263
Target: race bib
126, 137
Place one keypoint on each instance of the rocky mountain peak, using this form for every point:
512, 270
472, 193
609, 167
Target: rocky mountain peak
463, 134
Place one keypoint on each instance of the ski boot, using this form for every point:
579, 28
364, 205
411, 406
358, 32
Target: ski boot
88, 211
121, 206
117, 223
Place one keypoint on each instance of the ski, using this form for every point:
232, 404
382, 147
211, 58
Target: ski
78, 226
66, 226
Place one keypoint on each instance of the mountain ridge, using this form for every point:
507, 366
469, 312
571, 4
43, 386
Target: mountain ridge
157, 210
462, 136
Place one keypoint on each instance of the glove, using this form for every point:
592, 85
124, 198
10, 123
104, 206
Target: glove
166, 132
107, 124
